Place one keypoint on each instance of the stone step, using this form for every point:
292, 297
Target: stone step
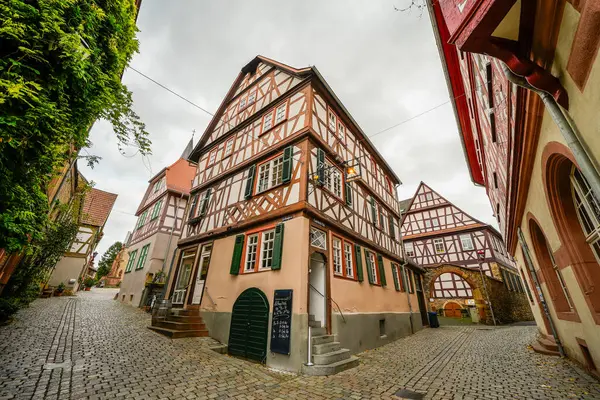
548, 344
186, 312
174, 334
314, 324
330, 369
322, 339
185, 318
318, 331
311, 317
180, 326
332, 357
221, 349
326, 347
538, 348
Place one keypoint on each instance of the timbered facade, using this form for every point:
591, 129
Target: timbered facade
286, 183
159, 226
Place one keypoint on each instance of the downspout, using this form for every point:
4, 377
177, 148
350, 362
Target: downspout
585, 163
542, 298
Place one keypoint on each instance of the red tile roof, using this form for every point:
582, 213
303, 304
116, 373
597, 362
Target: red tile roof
97, 206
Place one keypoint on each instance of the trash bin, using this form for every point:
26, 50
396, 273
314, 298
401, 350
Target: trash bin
433, 320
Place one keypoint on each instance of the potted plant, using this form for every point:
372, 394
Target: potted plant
59, 289
88, 283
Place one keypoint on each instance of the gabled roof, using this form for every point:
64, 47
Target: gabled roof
307, 72
97, 206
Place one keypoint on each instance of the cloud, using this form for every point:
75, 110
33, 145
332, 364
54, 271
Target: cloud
382, 64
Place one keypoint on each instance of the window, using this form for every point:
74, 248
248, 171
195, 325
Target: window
158, 185
280, 113
372, 265
242, 103
409, 249
439, 246
142, 219
409, 281
435, 222
268, 240
228, 147
270, 174
389, 185
267, 122
348, 260
251, 250
336, 249
212, 157
333, 179
373, 167
428, 196
466, 242
427, 223
332, 121
156, 210
341, 131
318, 238
131, 261
381, 217
450, 285
495, 176
143, 256
490, 84
252, 97
588, 210
493, 127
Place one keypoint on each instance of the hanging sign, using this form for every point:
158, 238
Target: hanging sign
281, 327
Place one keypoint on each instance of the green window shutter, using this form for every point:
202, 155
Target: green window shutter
321, 166
277, 247
237, 255
287, 164
348, 194
369, 269
250, 182
373, 211
392, 228
395, 275
403, 286
142, 259
381, 270
131, 261
193, 206
359, 267
204, 203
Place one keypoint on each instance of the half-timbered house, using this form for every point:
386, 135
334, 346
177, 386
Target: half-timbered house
154, 238
454, 247
72, 267
292, 201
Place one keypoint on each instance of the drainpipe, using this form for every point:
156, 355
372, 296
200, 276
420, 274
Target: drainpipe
542, 298
586, 164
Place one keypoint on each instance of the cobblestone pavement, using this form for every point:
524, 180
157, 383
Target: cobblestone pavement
92, 347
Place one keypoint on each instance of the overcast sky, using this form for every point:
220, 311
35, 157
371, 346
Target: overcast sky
382, 64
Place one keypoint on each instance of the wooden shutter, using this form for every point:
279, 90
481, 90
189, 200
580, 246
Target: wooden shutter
395, 275
381, 270
348, 194
403, 281
204, 203
287, 164
392, 228
373, 211
277, 247
250, 182
359, 267
193, 206
237, 255
321, 166
369, 270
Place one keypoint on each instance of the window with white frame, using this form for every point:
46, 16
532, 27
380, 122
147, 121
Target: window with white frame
267, 122
332, 121
228, 147
349, 260
252, 97
439, 246
467, 242
435, 222
336, 248
270, 174
333, 179
212, 157
341, 131
427, 223
318, 238
251, 252
280, 113
588, 210
428, 196
158, 185
371, 264
242, 103
268, 241
409, 249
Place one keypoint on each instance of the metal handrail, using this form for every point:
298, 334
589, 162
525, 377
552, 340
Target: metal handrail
208, 294
330, 298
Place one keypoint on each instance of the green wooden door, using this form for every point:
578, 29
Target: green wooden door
248, 332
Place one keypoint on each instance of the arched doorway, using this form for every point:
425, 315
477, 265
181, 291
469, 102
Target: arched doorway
248, 332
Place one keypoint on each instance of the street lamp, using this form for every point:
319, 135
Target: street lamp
481, 257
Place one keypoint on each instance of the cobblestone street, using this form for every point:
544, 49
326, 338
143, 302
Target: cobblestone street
90, 346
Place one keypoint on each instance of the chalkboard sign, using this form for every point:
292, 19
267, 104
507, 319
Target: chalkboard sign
281, 328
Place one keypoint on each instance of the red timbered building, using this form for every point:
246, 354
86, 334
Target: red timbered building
437, 234
290, 195
152, 244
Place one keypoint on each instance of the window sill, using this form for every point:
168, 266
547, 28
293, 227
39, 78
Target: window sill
273, 127
347, 278
255, 271
335, 196
271, 188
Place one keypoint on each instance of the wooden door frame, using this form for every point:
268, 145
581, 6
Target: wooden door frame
327, 293
176, 274
190, 294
